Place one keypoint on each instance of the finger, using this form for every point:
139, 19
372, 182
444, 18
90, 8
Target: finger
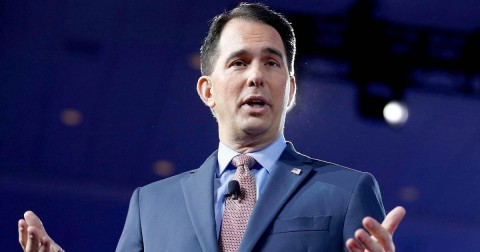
55, 247
353, 245
367, 242
32, 220
22, 233
45, 245
378, 232
393, 219
33, 241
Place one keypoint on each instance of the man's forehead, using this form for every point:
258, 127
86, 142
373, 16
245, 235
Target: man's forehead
246, 35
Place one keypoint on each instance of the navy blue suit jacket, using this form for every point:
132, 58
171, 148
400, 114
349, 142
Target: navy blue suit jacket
316, 210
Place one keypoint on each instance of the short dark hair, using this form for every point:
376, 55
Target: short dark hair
256, 12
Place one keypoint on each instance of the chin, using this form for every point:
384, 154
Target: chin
256, 128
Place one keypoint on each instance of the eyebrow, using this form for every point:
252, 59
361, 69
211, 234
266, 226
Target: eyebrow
273, 51
268, 50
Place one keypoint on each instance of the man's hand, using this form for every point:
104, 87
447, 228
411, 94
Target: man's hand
33, 237
380, 239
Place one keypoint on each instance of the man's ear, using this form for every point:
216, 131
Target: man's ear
293, 91
205, 91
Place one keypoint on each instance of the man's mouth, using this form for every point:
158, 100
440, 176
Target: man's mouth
256, 103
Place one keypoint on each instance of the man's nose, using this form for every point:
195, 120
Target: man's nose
255, 76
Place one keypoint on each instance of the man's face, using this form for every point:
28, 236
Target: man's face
250, 88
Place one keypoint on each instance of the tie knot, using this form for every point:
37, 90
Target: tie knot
243, 159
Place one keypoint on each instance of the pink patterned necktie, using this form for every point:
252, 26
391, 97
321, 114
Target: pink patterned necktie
237, 212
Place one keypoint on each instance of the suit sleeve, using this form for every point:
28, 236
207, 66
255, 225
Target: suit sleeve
131, 238
365, 200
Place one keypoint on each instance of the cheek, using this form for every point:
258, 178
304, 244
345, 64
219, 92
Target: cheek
280, 93
231, 92
226, 95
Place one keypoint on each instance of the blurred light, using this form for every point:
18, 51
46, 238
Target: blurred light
194, 60
395, 113
163, 168
71, 117
409, 193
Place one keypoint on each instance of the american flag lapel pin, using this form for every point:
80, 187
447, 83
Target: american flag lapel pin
296, 171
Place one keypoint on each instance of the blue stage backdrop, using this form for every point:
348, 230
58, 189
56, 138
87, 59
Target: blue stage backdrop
98, 98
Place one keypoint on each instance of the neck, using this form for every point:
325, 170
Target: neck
247, 144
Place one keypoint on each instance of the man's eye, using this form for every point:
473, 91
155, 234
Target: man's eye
238, 63
273, 63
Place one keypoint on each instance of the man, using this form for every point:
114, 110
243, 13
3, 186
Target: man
297, 203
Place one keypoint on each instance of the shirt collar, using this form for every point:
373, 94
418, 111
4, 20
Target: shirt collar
266, 157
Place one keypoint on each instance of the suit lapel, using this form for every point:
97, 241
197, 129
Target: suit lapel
280, 186
198, 194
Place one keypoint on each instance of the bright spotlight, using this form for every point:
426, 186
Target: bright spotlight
395, 113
